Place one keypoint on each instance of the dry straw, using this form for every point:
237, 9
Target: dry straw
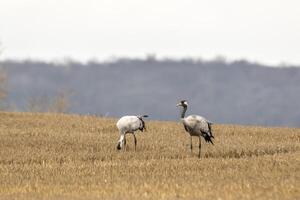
54, 156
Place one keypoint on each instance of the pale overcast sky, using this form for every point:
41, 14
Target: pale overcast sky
266, 31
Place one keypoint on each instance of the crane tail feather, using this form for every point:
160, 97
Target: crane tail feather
143, 127
209, 128
207, 138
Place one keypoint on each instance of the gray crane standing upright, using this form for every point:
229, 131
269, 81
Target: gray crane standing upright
196, 125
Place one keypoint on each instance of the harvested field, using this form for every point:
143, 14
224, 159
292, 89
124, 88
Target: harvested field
56, 156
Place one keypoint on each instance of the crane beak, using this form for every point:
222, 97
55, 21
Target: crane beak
178, 104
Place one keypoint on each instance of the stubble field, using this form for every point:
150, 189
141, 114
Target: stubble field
55, 156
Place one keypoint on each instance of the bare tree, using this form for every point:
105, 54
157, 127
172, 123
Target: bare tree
3, 86
59, 103
38, 103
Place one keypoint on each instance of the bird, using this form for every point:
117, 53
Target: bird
195, 125
130, 124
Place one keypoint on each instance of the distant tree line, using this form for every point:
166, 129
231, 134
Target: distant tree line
226, 92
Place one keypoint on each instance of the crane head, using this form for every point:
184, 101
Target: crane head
182, 103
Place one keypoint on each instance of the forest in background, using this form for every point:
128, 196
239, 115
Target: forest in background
238, 92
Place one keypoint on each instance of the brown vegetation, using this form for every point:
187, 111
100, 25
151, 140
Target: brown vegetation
60, 103
56, 156
3, 88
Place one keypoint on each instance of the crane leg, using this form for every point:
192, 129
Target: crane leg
191, 143
135, 142
125, 142
199, 146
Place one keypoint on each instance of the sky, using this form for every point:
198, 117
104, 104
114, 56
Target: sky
265, 31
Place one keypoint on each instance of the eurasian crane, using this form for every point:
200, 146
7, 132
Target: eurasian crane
196, 125
129, 124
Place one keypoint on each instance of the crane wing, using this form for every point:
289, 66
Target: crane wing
198, 123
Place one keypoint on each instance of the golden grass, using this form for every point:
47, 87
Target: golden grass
54, 156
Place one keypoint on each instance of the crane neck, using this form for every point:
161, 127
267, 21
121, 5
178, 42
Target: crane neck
183, 111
